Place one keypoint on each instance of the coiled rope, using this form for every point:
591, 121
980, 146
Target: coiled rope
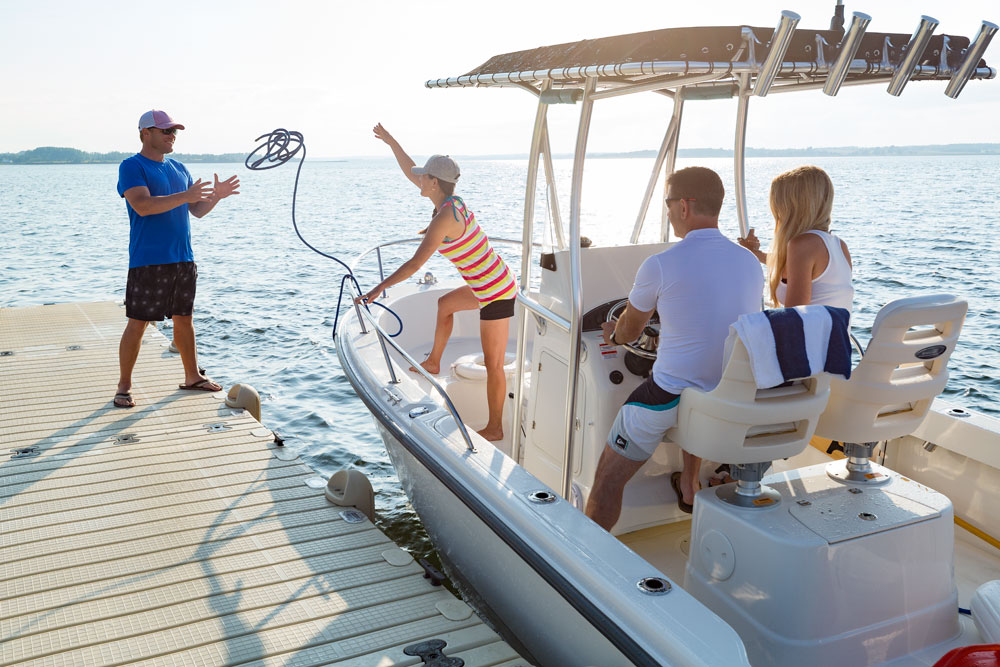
280, 146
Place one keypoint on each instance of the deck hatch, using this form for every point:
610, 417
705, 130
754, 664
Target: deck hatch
837, 515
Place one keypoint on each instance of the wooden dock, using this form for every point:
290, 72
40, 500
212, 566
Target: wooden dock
177, 532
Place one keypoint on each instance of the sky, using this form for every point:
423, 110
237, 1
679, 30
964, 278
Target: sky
79, 74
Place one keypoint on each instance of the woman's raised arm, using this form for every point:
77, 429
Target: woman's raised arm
405, 161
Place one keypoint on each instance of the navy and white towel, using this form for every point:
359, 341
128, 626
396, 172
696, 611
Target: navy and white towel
790, 343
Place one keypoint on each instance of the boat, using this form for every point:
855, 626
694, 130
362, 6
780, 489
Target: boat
830, 559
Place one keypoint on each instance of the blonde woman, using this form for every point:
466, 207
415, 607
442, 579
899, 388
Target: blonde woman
806, 263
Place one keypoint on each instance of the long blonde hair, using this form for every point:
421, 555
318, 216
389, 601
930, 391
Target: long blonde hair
801, 199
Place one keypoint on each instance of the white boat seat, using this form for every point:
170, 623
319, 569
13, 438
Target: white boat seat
747, 427
891, 390
471, 366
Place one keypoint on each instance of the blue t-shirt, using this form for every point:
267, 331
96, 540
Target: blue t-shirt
163, 238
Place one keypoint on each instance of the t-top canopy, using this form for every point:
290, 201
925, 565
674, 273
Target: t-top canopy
725, 50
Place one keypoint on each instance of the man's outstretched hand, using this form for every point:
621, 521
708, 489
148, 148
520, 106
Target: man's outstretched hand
230, 186
198, 192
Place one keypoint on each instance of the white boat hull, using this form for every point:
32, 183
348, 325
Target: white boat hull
566, 589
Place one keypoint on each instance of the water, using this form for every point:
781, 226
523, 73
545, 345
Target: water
265, 304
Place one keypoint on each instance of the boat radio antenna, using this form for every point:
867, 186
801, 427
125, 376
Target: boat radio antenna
278, 147
837, 21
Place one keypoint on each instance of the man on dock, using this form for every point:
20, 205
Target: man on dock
698, 287
159, 193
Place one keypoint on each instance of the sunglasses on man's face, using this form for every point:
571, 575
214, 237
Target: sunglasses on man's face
169, 130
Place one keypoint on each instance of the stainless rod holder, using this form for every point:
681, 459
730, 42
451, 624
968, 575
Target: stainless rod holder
848, 48
780, 41
972, 57
914, 50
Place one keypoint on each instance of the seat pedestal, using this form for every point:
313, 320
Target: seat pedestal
857, 467
834, 575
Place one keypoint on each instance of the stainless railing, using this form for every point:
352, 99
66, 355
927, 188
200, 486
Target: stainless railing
365, 314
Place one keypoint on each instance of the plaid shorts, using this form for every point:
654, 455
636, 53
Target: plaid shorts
160, 290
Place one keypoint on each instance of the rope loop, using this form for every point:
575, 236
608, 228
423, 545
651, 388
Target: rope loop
279, 147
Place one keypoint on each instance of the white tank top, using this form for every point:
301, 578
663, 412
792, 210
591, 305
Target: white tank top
833, 287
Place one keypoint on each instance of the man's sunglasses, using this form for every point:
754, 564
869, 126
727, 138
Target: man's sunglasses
169, 130
670, 199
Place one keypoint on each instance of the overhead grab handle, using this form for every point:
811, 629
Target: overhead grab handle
911, 57
971, 62
848, 48
781, 39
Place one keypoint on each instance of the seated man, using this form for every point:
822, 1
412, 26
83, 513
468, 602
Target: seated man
699, 287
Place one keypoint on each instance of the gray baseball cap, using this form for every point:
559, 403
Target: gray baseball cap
439, 166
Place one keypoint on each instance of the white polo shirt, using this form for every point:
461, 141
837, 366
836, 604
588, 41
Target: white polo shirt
699, 287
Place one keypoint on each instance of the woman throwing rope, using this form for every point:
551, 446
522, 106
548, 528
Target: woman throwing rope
490, 284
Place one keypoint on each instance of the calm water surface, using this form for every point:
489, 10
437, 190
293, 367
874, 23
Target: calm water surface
265, 305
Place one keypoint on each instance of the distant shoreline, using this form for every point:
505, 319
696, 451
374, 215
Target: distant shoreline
58, 155
834, 151
53, 155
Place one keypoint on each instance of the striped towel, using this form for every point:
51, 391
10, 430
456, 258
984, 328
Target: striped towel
791, 343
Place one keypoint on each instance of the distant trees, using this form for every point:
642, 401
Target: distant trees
56, 155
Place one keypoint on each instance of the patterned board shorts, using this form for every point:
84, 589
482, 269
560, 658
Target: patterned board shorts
642, 422
160, 290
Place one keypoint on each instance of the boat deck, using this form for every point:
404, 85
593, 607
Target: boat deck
668, 547
177, 532
469, 396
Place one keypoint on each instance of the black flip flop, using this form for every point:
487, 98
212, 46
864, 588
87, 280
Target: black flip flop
125, 396
675, 484
200, 385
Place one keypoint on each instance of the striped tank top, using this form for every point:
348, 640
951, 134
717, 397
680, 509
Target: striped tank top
489, 276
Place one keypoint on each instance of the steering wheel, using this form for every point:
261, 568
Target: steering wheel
645, 347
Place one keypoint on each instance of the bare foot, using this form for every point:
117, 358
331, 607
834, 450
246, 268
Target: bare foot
429, 366
719, 481
491, 434
721, 477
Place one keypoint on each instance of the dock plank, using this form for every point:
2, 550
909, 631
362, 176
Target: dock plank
180, 544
